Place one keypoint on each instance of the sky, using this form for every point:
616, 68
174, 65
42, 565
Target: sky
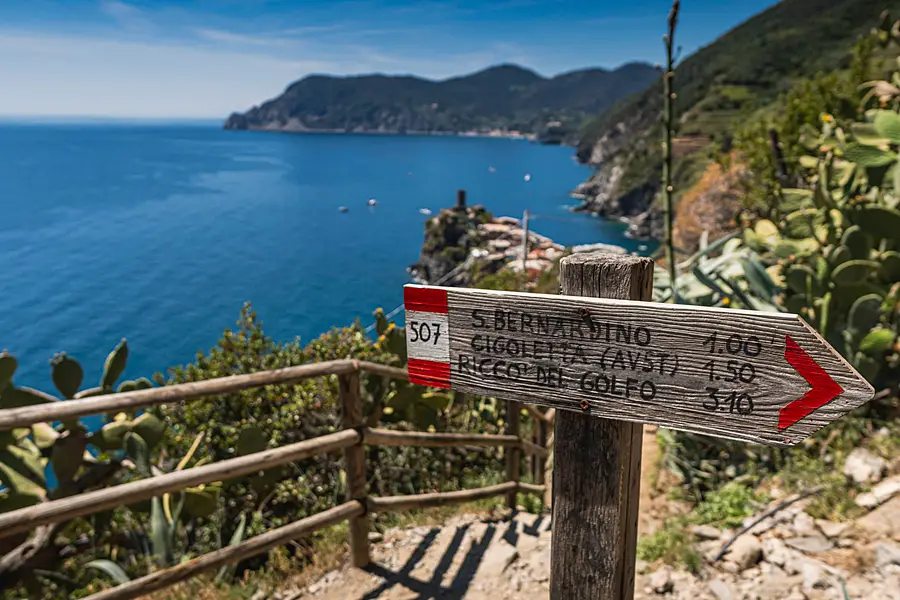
208, 58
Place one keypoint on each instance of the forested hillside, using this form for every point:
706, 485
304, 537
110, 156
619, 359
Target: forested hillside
718, 88
505, 96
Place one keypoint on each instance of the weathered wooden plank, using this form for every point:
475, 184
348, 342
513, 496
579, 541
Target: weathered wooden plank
355, 466
26, 519
540, 460
728, 373
513, 456
230, 554
417, 501
185, 392
387, 437
531, 488
597, 463
533, 449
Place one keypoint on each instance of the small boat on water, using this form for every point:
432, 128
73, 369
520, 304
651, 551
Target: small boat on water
424, 211
343, 209
492, 170
527, 176
372, 202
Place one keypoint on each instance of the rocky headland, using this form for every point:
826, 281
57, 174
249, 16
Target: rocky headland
464, 243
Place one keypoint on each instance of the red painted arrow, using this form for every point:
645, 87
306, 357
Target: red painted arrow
824, 389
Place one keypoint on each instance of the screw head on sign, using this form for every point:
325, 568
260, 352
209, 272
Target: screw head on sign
585, 405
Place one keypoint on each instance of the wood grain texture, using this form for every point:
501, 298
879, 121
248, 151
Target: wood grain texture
540, 461
531, 488
431, 344
231, 554
385, 370
532, 449
513, 456
387, 437
597, 463
185, 392
644, 362
26, 519
416, 501
355, 466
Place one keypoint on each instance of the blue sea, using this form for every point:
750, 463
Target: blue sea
158, 233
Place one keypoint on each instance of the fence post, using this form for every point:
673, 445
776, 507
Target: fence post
539, 461
597, 462
512, 454
355, 466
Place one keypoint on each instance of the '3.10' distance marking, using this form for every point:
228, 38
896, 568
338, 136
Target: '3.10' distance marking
424, 332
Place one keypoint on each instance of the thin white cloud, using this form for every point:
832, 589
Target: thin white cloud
69, 75
127, 16
61, 75
230, 37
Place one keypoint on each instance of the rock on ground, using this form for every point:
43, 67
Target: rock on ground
864, 467
744, 552
880, 494
790, 557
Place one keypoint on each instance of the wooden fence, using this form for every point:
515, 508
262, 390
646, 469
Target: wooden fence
355, 433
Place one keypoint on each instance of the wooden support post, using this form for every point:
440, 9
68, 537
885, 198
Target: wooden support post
355, 466
513, 455
540, 461
597, 461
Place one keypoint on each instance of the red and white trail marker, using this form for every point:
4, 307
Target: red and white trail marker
754, 376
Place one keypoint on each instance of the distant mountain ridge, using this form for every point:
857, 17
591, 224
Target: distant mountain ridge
505, 96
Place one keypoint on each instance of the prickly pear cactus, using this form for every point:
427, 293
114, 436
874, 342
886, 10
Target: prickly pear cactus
67, 375
28, 454
838, 243
115, 365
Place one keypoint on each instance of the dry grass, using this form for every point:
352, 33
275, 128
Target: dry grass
710, 205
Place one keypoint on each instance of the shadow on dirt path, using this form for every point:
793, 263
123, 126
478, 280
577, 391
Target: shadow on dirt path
465, 559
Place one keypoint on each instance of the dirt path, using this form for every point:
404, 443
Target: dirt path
477, 558
787, 556
468, 558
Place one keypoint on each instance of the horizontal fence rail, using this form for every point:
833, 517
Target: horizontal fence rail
387, 437
255, 545
26, 519
185, 392
354, 434
416, 501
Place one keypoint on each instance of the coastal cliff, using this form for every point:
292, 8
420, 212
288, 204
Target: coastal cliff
742, 73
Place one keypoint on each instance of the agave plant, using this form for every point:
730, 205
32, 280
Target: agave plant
735, 277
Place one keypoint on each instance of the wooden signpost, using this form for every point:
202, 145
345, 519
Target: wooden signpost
611, 362
754, 376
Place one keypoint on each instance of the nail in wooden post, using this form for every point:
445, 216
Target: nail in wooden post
512, 454
597, 462
355, 466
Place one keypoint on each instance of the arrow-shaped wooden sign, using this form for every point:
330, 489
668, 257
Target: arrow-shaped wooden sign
754, 376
